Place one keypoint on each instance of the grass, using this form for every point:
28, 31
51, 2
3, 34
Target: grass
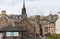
47, 38
54, 36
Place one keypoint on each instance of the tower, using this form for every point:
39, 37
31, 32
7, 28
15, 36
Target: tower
24, 9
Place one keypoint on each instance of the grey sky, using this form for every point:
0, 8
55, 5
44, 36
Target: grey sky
34, 7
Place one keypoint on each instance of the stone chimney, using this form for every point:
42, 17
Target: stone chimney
3, 12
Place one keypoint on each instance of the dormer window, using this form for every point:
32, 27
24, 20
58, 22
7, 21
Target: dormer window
19, 17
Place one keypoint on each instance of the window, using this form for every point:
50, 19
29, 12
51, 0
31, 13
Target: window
12, 33
19, 17
46, 29
0, 35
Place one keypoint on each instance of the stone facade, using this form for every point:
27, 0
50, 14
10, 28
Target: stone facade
46, 23
36, 25
15, 23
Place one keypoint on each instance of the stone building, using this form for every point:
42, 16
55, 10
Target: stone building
35, 24
46, 24
15, 26
58, 24
21, 26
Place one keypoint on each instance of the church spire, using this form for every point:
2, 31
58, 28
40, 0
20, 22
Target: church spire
23, 3
24, 9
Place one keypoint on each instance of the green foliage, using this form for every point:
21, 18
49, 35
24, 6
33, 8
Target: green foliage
54, 36
47, 38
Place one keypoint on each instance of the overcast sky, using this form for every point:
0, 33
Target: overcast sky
34, 7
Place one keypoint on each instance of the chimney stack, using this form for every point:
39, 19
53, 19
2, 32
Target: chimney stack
3, 12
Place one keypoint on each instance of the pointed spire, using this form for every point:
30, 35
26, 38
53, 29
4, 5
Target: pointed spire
50, 11
24, 9
23, 3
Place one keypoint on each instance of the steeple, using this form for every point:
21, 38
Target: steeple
23, 3
24, 9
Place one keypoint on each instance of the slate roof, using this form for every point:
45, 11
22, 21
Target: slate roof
14, 17
12, 29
